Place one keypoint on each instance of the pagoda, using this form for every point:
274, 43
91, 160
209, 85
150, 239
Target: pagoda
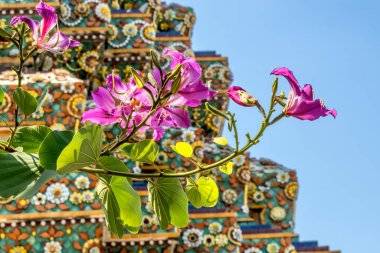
256, 210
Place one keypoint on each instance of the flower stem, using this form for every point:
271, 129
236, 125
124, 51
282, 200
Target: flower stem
200, 168
22, 60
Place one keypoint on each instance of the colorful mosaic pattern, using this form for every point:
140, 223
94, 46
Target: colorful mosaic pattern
256, 209
63, 106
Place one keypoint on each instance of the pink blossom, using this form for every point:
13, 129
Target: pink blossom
46, 38
241, 97
301, 103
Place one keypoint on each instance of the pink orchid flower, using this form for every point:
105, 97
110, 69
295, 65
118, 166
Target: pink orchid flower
301, 103
192, 89
106, 112
241, 97
46, 38
169, 114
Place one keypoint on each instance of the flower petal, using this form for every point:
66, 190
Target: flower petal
310, 110
157, 77
196, 93
307, 92
49, 18
103, 99
73, 43
290, 77
57, 44
177, 57
99, 116
158, 133
180, 117
31, 23
115, 85
191, 72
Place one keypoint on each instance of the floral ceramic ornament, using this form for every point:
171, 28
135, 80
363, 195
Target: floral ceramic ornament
221, 240
253, 250
208, 240
192, 237
215, 228
229, 196
273, 248
57, 193
76, 198
278, 213
291, 190
103, 12
290, 249
53, 247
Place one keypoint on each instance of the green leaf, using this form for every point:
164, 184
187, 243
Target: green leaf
26, 102
111, 163
17, 171
83, 150
52, 146
35, 186
111, 209
122, 204
41, 99
145, 151
169, 202
204, 192
30, 138
126, 148
1, 95
4, 35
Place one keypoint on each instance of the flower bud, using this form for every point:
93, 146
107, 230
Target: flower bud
139, 81
176, 71
241, 97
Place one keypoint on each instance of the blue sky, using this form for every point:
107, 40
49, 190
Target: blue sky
335, 46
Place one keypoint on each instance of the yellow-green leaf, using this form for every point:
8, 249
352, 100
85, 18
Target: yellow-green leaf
223, 141
227, 168
183, 148
30, 138
83, 150
121, 202
169, 202
203, 192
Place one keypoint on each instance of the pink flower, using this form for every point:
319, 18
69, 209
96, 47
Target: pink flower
192, 89
169, 114
122, 100
301, 103
241, 97
46, 38
106, 112
115, 104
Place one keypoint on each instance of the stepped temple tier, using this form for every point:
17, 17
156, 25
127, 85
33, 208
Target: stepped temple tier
256, 208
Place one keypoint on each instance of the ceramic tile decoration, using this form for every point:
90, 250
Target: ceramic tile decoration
256, 211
